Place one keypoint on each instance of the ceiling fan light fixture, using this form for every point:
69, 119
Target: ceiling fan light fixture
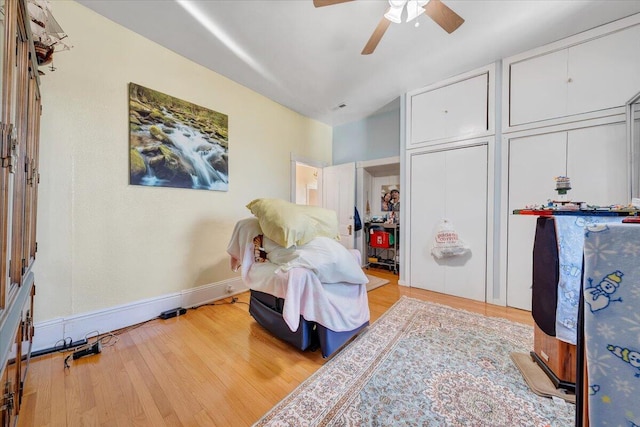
414, 9
394, 14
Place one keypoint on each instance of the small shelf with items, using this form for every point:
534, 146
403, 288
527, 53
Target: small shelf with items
382, 245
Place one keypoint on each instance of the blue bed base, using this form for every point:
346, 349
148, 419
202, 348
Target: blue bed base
266, 309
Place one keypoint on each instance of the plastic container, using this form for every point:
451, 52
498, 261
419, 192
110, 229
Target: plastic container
380, 239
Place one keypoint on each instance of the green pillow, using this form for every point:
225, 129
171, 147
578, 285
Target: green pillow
289, 224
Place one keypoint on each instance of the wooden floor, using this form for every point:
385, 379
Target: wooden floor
214, 366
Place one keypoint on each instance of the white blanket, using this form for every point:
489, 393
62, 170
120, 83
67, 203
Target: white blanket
340, 306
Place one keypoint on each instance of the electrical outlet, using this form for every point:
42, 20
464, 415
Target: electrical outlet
230, 289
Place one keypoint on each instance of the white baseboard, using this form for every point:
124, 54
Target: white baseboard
79, 326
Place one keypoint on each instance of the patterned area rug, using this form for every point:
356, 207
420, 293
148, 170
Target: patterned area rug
424, 364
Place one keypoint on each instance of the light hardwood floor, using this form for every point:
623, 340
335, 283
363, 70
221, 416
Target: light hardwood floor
214, 366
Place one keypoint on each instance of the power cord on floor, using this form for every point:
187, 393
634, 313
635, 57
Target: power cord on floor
234, 300
104, 340
111, 338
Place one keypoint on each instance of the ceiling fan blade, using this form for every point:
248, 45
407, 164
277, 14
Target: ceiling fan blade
443, 15
322, 3
376, 36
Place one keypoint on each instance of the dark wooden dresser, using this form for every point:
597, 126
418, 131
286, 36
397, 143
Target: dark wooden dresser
19, 176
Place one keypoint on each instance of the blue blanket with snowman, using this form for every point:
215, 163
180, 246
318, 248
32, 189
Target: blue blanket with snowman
612, 324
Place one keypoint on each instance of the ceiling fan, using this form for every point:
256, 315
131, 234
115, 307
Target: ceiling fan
434, 9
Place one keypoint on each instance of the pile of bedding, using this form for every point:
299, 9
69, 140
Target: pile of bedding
318, 278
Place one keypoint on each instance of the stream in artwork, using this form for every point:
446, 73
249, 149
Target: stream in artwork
193, 148
175, 143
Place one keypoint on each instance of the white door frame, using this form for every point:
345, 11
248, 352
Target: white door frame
361, 196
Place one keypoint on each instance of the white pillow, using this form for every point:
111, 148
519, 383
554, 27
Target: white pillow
331, 261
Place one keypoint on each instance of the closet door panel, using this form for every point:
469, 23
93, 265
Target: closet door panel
533, 163
594, 83
457, 109
466, 106
597, 165
428, 116
466, 207
427, 207
450, 185
538, 88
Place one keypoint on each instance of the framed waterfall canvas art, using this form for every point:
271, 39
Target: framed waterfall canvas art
174, 143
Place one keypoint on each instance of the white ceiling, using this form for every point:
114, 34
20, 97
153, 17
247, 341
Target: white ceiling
308, 59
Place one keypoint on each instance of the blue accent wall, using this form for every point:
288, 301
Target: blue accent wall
374, 137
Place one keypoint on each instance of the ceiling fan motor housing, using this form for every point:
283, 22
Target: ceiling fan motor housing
396, 7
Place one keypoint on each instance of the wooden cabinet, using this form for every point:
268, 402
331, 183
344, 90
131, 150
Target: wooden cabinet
558, 356
19, 139
596, 160
590, 75
455, 109
18, 344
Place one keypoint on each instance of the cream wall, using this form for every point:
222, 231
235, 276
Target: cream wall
102, 242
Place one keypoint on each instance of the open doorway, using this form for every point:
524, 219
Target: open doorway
330, 187
376, 178
308, 185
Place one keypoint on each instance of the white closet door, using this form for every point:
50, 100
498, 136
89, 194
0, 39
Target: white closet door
428, 116
466, 106
595, 82
533, 163
594, 158
450, 111
466, 202
538, 88
427, 208
598, 165
453, 185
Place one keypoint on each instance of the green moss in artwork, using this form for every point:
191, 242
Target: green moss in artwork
157, 115
151, 103
138, 167
159, 135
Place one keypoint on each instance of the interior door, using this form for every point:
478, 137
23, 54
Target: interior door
339, 194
